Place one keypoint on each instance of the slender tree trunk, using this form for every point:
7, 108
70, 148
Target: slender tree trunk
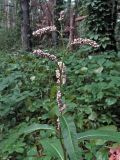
72, 28
77, 5
25, 25
56, 14
2, 10
7, 12
118, 26
14, 14
112, 23
68, 12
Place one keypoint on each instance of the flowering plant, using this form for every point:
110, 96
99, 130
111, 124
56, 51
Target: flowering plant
62, 126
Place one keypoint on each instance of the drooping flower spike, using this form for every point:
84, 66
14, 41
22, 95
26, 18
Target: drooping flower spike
44, 30
45, 55
82, 41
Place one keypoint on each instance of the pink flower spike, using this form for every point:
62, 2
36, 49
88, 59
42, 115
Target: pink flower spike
44, 30
61, 106
45, 55
81, 41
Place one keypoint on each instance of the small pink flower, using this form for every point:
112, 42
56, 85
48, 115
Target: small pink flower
114, 153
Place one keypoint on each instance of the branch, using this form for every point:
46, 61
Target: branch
80, 18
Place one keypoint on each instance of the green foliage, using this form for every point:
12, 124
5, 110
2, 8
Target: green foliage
28, 110
95, 95
102, 21
9, 39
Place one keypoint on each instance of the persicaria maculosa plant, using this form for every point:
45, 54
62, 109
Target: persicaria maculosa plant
60, 73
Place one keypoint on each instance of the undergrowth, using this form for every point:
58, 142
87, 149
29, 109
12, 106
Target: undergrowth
28, 98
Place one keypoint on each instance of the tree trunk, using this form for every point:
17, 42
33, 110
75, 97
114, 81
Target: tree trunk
56, 14
25, 25
72, 28
14, 13
112, 20
7, 12
118, 26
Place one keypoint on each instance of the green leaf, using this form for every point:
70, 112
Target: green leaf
104, 45
92, 116
70, 137
110, 101
35, 127
109, 128
100, 134
98, 70
57, 151
53, 92
52, 148
102, 154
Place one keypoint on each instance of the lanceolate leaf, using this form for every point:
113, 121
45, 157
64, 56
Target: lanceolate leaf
100, 134
57, 152
70, 137
52, 147
35, 127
